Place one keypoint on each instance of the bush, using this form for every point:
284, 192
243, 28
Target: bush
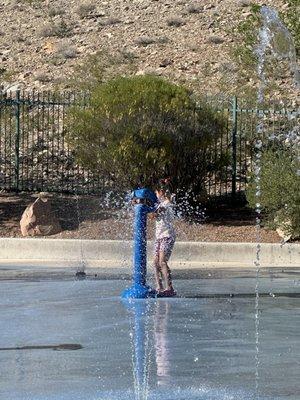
60, 29
145, 41
109, 21
280, 194
215, 39
138, 129
85, 9
175, 21
33, 2
194, 9
66, 50
56, 11
99, 68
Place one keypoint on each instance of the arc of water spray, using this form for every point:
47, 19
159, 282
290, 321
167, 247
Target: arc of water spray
271, 26
81, 268
264, 43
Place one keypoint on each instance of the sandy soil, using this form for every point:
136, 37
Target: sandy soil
88, 219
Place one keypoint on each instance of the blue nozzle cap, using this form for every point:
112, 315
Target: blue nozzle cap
146, 194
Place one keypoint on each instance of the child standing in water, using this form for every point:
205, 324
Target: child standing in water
165, 237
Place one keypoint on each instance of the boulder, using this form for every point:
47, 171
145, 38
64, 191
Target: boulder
283, 228
38, 219
283, 234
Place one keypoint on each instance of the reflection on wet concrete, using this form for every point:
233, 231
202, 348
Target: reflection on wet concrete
239, 295
57, 347
149, 325
198, 347
162, 347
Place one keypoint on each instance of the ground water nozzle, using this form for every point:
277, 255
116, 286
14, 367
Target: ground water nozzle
144, 201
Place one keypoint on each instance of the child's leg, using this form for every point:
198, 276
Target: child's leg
157, 268
164, 255
166, 272
158, 275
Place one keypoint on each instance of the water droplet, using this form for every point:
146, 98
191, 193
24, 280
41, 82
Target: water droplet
258, 144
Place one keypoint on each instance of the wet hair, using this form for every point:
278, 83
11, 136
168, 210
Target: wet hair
164, 186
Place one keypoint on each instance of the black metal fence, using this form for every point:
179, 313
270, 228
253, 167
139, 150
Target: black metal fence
34, 155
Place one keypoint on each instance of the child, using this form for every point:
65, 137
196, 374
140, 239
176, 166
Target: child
165, 237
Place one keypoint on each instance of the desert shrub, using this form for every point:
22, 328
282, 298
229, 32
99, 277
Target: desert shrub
109, 21
215, 39
85, 9
56, 11
145, 40
194, 9
280, 194
33, 3
162, 40
42, 77
60, 29
138, 129
101, 67
66, 50
175, 21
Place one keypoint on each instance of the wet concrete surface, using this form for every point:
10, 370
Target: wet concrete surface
201, 345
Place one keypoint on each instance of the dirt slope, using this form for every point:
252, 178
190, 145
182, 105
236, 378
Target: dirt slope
190, 41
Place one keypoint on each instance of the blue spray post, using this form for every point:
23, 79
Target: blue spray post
145, 201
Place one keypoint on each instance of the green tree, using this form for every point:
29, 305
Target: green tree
138, 129
280, 194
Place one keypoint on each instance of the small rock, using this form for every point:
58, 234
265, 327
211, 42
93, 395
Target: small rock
209, 7
100, 14
12, 87
165, 63
140, 72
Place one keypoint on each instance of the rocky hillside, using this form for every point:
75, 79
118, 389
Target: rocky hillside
192, 42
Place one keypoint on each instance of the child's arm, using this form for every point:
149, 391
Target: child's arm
159, 210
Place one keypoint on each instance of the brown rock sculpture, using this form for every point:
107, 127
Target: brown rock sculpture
38, 219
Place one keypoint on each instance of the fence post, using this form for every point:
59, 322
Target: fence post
17, 141
233, 145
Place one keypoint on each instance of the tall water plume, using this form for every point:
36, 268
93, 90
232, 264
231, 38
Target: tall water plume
273, 38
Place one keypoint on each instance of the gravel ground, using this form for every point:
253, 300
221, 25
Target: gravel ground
89, 220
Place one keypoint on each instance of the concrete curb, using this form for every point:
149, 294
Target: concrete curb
113, 251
